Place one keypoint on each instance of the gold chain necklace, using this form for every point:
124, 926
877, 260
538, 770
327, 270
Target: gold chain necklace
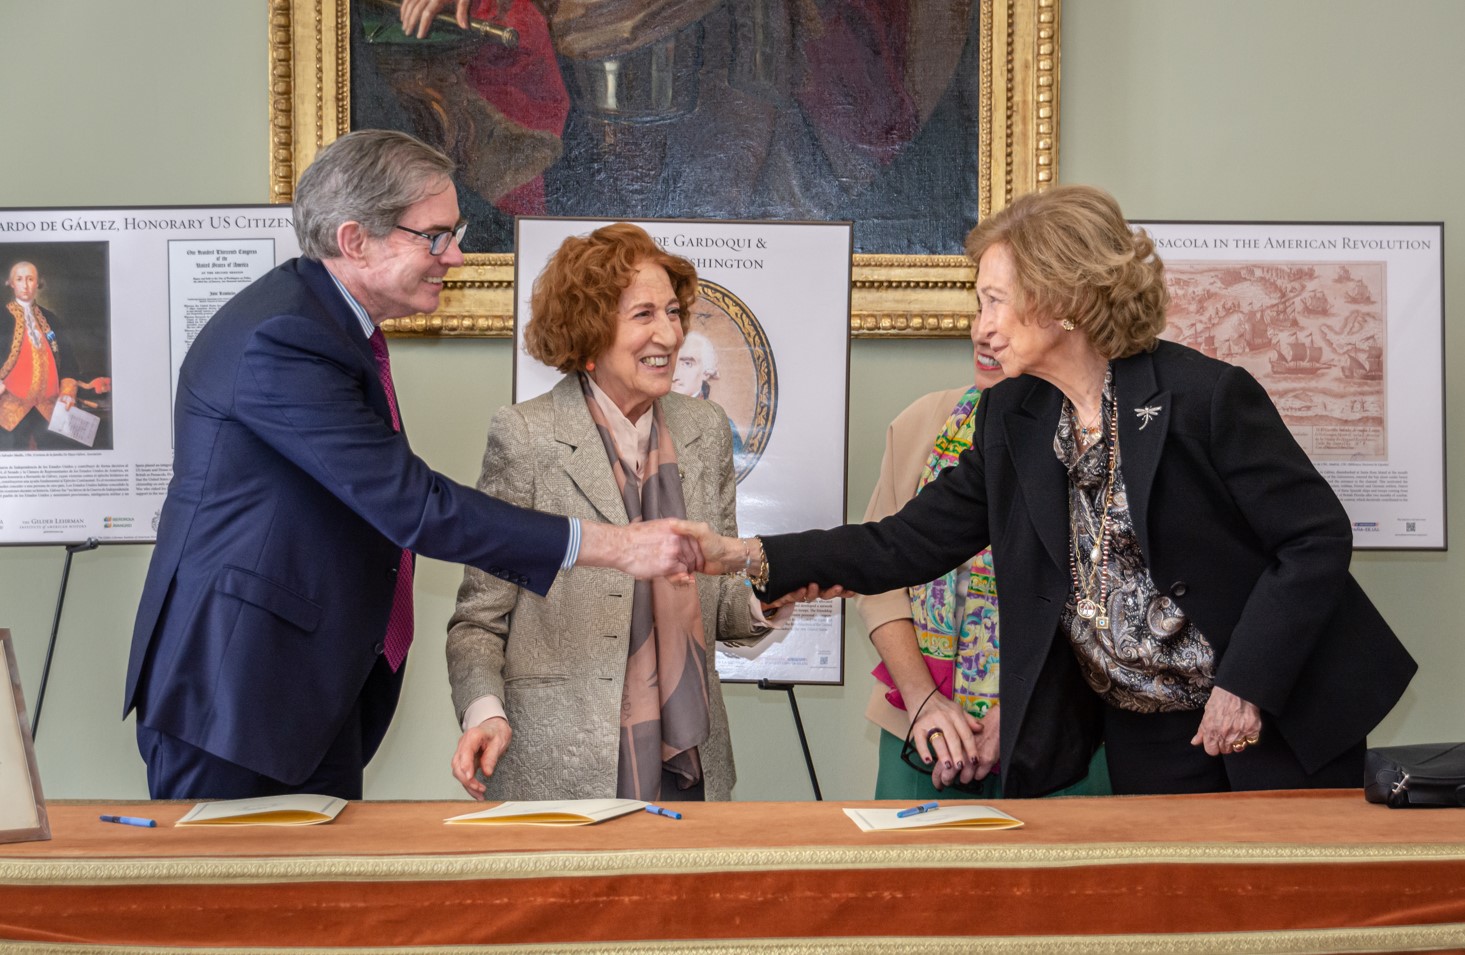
1086, 606
1088, 434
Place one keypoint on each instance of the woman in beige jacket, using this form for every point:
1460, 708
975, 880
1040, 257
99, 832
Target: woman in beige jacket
605, 687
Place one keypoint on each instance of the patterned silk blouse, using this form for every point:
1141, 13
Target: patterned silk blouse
1151, 658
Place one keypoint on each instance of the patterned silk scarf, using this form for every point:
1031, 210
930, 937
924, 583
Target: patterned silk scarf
955, 616
664, 709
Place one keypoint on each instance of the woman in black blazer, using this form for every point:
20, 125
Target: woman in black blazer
1174, 570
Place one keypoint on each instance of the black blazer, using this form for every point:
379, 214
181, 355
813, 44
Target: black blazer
1235, 524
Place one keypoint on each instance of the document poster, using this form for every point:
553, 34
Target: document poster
768, 342
99, 308
1343, 324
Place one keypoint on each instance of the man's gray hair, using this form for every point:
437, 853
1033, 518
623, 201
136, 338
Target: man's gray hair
370, 176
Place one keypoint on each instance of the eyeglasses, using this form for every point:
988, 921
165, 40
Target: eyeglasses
911, 758
438, 241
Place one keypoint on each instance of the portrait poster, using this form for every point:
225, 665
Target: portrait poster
22, 807
1343, 324
99, 308
768, 342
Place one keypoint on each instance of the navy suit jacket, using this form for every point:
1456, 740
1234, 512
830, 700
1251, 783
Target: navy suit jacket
265, 605
1235, 524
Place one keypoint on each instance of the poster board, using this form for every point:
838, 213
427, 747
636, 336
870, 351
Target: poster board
22, 807
770, 334
1343, 324
121, 293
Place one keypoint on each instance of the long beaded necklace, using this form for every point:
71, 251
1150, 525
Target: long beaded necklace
1086, 606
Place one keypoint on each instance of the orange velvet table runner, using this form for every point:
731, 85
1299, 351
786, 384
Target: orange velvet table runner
1295, 872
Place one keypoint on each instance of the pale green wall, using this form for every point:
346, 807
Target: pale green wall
1323, 109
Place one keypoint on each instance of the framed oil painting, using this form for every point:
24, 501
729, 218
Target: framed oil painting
910, 119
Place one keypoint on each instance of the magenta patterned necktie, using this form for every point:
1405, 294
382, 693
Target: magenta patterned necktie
399, 624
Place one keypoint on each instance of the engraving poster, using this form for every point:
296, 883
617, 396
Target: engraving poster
1343, 324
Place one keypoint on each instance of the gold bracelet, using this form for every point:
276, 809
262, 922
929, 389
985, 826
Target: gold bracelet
760, 580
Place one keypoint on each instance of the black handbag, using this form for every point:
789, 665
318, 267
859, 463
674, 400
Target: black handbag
1424, 774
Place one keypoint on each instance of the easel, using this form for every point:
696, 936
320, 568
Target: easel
766, 684
91, 543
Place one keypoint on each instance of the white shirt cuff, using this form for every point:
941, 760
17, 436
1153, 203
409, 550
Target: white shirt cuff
572, 551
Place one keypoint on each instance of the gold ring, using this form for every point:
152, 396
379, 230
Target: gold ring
1253, 739
932, 735
1238, 746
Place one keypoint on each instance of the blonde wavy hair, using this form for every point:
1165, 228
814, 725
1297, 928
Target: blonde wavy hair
576, 298
1077, 258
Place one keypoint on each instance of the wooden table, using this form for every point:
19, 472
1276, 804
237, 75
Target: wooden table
1273, 872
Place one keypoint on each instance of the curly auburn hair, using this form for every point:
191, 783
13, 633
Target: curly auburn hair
573, 309
1077, 258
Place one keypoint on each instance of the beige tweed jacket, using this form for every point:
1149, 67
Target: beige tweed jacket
558, 662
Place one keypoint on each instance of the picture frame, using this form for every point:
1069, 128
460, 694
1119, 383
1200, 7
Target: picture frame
892, 295
1343, 324
124, 290
769, 294
22, 807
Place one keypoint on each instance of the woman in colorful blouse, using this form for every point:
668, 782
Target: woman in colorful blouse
938, 641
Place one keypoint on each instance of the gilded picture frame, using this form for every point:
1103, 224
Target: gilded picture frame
892, 295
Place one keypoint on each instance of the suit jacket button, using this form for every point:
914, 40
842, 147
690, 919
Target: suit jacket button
1178, 589
379, 649
393, 571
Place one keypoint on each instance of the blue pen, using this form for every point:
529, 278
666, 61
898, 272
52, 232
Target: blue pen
917, 810
658, 811
132, 821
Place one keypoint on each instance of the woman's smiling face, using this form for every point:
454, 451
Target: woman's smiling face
638, 366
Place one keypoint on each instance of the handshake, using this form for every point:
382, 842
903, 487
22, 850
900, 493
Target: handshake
679, 549
665, 548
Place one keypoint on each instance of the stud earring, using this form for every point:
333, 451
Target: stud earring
1067, 324
590, 366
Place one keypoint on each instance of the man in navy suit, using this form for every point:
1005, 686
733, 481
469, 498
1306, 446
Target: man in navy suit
268, 649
